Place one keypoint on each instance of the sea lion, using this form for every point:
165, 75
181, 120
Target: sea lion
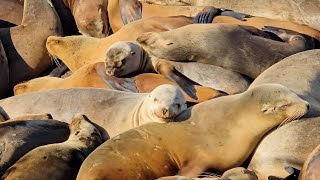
4, 73
122, 12
19, 137
311, 167
286, 146
201, 144
11, 11
58, 161
238, 173
303, 67
303, 11
118, 111
76, 51
45, 116
40, 21
94, 75
246, 57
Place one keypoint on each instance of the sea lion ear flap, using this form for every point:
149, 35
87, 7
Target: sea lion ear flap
267, 108
143, 39
120, 84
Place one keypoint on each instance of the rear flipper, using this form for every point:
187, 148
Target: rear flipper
209, 13
181, 80
293, 174
120, 84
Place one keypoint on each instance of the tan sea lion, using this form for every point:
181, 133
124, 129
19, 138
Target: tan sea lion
288, 145
76, 51
311, 168
58, 161
19, 137
118, 111
11, 11
151, 151
246, 58
4, 73
39, 22
94, 75
304, 68
303, 11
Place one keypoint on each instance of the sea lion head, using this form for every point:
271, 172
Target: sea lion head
240, 173
165, 102
82, 129
123, 58
277, 103
91, 18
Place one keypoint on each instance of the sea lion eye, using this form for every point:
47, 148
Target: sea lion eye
178, 105
155, 99
132, 53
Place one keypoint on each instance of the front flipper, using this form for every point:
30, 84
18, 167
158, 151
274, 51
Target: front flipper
206, 16
240, 16
172, 74
120, 84
130, 10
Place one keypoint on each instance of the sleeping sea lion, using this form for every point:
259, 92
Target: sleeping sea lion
151, 151
311, 168
40, 21
118, 111
94, 75
19, 137
58, 161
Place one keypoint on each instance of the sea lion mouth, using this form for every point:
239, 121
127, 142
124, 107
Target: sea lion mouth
295, 117
167, 119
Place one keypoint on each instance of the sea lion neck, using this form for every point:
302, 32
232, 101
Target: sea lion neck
145, 61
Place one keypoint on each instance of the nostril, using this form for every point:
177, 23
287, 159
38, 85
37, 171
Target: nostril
308, 106
164, 111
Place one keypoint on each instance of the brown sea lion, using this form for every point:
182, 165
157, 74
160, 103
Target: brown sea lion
288, 145
11, 11
4, 73
304, 68
117, 111
19, 137
122, 12
302, 11
151, 151
94, 75
246, 57
58, 161
40, 21
311, 168
76, 51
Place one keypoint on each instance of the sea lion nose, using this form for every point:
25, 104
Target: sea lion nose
308, 106
164, 111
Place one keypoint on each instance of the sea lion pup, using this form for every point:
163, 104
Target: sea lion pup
303, 67
286, 146
303, 12
244, 57
58, 161
76, 51
118, 111
311, 167
19, 137
40, 21
4, 73
200, 147
238, 173
94, 75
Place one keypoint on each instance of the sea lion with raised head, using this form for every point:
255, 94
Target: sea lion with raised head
304, 68
286, 146
118, 111
4, 73
40, 21
58, 161
76, 51
94, 75
151, 151
19, 137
